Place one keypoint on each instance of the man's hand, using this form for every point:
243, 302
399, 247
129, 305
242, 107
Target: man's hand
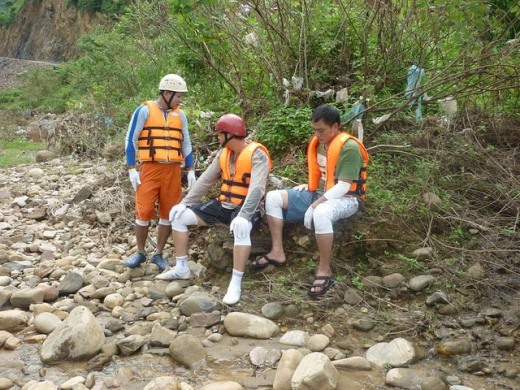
301, 187
240, 227
177, 210
307, 220
134, 178
191, 179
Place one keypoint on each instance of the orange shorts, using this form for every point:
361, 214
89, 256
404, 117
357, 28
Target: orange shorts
159, 183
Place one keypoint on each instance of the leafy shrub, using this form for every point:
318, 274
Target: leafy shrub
285, 128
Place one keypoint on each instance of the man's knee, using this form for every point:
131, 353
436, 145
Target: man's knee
274, 204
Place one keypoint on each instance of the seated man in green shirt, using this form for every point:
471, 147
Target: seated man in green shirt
337, 165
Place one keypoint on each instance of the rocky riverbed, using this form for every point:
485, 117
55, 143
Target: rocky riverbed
74, 317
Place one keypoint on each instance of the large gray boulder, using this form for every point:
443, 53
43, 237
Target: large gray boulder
80, 336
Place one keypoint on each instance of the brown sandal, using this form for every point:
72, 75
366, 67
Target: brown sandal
256, 265
322, 288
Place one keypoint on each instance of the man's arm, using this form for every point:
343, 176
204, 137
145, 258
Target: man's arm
139, 118
187, 150
204, 183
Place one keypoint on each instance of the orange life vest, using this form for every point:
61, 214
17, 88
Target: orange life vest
358, 187
161, 139
234, 187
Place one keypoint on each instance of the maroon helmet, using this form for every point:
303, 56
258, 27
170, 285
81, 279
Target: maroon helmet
232, 124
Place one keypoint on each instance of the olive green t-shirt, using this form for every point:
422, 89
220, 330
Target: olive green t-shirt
350, 162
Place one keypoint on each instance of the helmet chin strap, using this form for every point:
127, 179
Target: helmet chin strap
169, 101
227, 139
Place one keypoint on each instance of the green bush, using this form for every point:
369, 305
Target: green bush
284, 129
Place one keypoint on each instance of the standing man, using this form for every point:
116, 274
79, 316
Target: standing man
337, 165
244, 168
158, 132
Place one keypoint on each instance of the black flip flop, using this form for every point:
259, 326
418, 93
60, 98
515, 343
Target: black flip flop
256, 265
323, 288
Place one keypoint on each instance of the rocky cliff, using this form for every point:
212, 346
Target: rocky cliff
46, 30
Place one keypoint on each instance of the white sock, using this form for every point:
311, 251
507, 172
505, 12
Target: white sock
236, 279
181, 263
235, 288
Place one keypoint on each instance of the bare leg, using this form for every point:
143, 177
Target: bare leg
141, 233
180, 239
163, 232
276, 230
324, 242
240, 256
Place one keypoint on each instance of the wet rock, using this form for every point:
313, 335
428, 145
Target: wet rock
272, 310
393, 280
372, 281
225, 385
98, 362
46, 323
205, 319
423, 253
432, 383
45, 385
24, 298
83, 194
505, 343
470, 364
176, 288
162, 337
352, 297
78, 336
113, 300
355, 363
38, 214
318, 342
132, 343
13, 319
70, 284
12, 343
35, 173
364, 324
187, 350
454, 347
45, 155
297, 338
288, 363
261, 356
476, 271
490, 312
72, 383
164, 383
421, 282
6, 383
396, 353
431, 200
403, 378
437, 297
249, 325
198, 302
468, 322
315, 371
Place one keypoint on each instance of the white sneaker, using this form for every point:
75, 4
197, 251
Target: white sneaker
173, 274
232, 296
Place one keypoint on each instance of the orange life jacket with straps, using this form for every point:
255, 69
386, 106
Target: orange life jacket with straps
358, 187
161, 139
234, 187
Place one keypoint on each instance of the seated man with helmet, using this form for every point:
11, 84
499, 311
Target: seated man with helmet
243, 168
158, 134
